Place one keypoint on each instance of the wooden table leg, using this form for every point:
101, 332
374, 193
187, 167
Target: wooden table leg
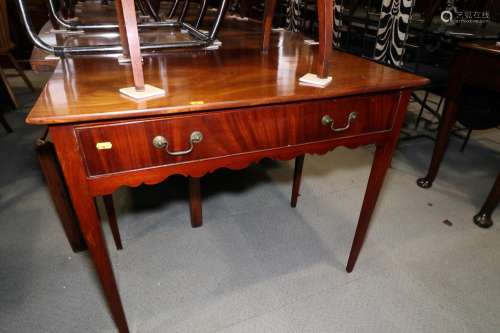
267, 24
325, 27
443, 137
483, 218
83, 203
59, 194
381, 163
113, 224
195, 202
297, 176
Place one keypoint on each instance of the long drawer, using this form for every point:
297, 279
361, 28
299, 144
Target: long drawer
131, 145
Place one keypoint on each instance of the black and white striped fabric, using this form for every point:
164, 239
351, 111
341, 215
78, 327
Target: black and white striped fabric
293, 15
338, 12
392, 31
294, 20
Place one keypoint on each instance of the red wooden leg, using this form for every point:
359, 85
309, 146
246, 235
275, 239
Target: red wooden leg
83, 203
381, 163
325, 23
297, 176
195, 202
59, 194
110, 211
267, 24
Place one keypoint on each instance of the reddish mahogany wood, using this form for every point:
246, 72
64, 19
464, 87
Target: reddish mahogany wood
228, 132
297, 177
267, 24
474, 64
324, 9
237, 75
74, 172
325, 29
134, 46
59, 194
110, 211
247, 105
121, 27
381, 163
195, 202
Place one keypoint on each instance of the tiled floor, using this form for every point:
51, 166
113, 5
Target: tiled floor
258, 265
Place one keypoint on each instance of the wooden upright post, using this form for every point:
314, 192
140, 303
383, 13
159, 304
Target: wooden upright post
129, 35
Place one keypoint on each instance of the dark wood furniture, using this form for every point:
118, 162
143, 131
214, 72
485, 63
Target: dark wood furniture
222, 109
483, 218
475, 64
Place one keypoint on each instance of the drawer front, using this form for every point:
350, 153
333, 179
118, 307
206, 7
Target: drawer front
129, 145
123, 146
343, 117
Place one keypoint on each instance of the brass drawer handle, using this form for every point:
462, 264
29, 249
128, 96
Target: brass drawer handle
326, 120
161, 142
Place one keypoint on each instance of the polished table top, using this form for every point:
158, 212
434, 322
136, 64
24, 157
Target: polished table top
238, 74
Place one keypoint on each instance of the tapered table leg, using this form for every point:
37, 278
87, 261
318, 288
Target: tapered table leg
113, 224
83, 203
483, 218
195, 202
381, 163
297, 177
59, 194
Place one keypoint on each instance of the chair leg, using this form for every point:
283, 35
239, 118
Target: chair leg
297, 176
20, 71
173, 9
325, 26
184, 11
5, 85
5, 124
466, 140
110, 211
195, 202
267, 24
201, 15
419, 117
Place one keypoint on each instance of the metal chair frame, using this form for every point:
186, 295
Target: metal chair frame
200, 39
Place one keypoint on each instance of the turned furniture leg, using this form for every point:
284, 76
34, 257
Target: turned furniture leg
59, 194
445, 125
297, 176
83, 203
267, 24
4, 123
381, 163
483, 218
110, 211
325, 27
195, 202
